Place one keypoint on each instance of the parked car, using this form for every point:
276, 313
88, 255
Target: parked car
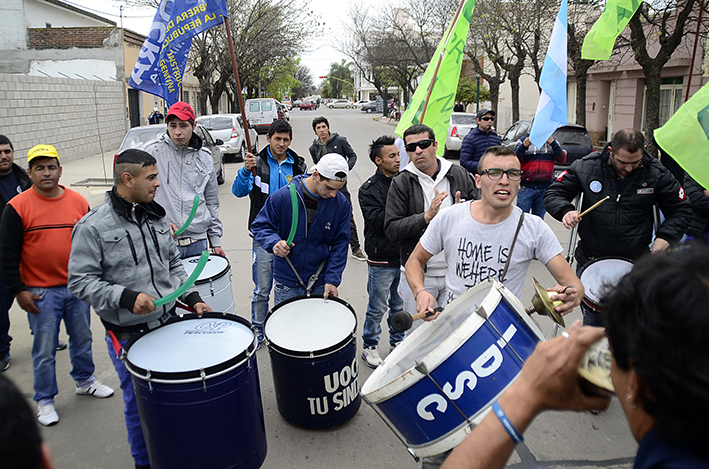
296, 103
230, 129
361, 103
370, 107
261, 112
139, 136
460, 124
572, 138
308, 105
341, 103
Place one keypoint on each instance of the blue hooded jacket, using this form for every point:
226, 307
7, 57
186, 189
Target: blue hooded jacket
327, 238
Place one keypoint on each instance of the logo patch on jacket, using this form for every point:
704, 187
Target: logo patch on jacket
647, 190
563, 173
682, 195
595, 186
328, 225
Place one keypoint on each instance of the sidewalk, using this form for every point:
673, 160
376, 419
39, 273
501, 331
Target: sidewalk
92, 167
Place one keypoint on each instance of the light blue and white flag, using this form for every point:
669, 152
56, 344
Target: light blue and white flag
552, 107
163, 57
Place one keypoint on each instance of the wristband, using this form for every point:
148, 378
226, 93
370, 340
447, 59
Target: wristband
506, 423
417, 293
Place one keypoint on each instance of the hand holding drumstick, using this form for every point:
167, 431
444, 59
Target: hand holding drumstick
572, 218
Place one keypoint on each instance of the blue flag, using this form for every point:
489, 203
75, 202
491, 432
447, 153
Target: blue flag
163, 57
552, 107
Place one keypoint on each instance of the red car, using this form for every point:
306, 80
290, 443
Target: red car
308, 105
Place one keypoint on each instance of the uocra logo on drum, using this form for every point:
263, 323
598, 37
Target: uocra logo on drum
343, 381
483, 366
209, 327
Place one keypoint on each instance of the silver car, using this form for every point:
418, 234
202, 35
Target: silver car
340, 104
230, 129
139, 136
460, 124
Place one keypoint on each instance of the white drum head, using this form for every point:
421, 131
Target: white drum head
310, 324
189, 345
216, 265
602, 273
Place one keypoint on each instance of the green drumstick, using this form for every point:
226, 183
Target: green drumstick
185, 286
195, 203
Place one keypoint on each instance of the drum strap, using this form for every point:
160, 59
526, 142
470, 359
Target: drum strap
512, 247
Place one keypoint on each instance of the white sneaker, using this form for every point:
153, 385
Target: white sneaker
96, 389
47, 415
371, 357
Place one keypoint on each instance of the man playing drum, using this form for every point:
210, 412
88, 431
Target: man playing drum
490, 238
122, 258
621, 227
320, 231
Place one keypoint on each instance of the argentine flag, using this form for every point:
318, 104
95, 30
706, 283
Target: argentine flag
552, 107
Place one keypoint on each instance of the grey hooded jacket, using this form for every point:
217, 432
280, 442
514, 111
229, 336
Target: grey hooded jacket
113, 258
184, 172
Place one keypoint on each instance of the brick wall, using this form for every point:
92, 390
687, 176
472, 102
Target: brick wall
66, 38
79, 117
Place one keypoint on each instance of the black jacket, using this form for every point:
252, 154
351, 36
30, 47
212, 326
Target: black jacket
263, 171
22, 179
622, 226
700, 206
372, 201
405, 222
335, 144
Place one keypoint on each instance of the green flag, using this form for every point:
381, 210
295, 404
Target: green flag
686, 136
434, 97
598, 43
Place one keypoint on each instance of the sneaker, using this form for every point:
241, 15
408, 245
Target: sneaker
394, 345
47, 415
96, 389
371, 357
359, 255
61, 345
5, 362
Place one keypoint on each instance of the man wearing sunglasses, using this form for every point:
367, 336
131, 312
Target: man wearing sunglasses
476, 239
417, 194
478, 140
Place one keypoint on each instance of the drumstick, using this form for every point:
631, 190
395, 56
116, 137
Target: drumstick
585, 212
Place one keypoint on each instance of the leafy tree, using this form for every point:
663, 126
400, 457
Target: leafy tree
305, 85
467, 92
339, 81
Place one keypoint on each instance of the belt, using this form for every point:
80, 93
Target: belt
182, 242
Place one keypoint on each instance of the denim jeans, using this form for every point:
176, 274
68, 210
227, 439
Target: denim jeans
5, 303
382, 285
282, 293
57, 304
194, 249
138, 448
262, 274
435, 285
532, 198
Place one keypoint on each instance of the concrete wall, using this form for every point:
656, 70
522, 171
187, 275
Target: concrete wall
38, 12
79, 117
14, 34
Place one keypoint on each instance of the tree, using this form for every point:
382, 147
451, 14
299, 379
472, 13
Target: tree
467, 92
305, 85
339, 80
666, 27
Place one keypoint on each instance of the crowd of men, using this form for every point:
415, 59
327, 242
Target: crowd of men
122, 255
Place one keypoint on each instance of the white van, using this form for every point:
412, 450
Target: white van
261, 112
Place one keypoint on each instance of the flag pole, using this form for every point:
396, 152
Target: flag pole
694, 52
238, 90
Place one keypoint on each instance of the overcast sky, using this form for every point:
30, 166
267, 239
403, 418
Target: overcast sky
320, 54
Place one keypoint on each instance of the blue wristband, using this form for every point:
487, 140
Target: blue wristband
506, 423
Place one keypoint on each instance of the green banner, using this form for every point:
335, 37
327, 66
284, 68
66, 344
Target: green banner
434, 97
686, 136
598, 43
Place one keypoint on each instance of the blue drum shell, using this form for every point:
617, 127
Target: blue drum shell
304, 396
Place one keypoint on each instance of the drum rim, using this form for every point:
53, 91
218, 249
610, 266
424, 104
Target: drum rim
205, 373
312, 353
214, 277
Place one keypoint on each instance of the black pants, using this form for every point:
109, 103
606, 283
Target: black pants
354, 239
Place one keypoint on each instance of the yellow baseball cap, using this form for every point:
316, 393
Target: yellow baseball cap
47, 151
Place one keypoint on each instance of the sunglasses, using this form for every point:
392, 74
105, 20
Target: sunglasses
422, 144
496, 174
487, 118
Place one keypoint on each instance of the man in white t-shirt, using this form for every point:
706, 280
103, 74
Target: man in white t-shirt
476, 238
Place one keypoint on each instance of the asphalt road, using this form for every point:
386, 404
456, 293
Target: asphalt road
91, 432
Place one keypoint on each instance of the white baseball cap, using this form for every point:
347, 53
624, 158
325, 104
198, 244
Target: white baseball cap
332, 166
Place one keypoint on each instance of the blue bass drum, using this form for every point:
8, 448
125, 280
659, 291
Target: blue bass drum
313, 349
198, 393
440, 382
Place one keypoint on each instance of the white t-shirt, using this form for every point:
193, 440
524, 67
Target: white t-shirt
475, 252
